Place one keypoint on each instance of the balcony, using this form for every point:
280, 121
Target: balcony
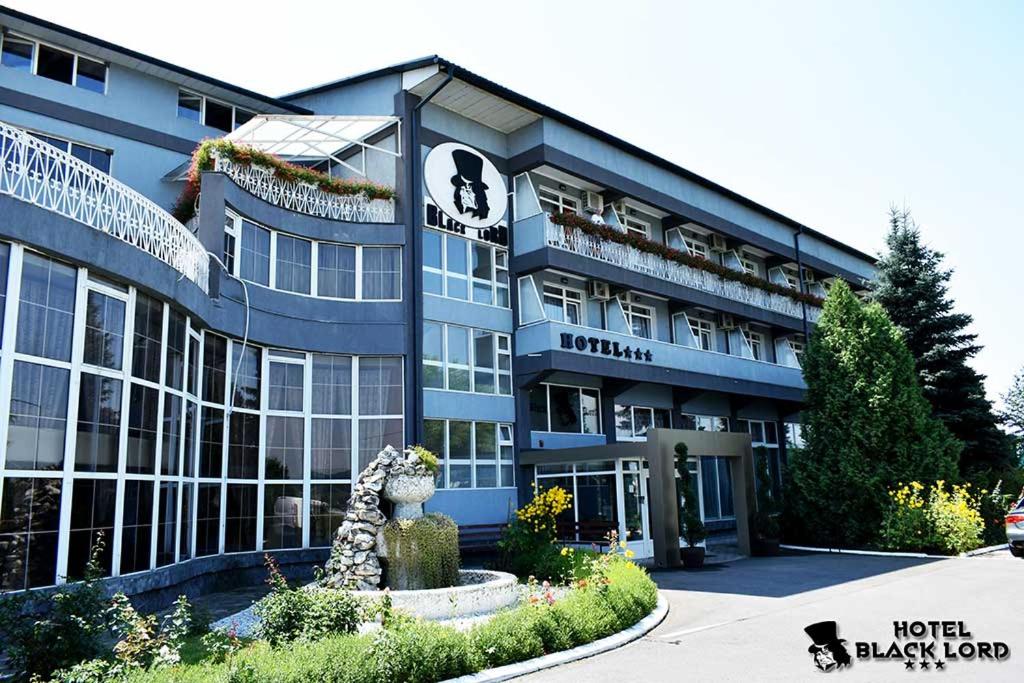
35, 172
577, 242
718, 370
306, 198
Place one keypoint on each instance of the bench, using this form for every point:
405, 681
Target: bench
480, 536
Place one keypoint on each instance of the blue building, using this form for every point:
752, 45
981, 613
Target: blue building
202, 391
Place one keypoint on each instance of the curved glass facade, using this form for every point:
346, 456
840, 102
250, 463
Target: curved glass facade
123, 417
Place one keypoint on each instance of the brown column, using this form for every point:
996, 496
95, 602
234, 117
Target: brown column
663, 506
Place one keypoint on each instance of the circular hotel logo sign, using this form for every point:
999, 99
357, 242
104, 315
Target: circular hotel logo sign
465, 185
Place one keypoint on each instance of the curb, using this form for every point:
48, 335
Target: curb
637, 630
985, 551
875, 553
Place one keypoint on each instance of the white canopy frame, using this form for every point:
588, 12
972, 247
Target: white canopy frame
296, 137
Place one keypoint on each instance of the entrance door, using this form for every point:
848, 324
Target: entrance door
634, 524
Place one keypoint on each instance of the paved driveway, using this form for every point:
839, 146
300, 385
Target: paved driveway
744, 621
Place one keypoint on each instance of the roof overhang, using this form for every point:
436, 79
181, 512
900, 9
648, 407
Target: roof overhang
330, 138
465, 99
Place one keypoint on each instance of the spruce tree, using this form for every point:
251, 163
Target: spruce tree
1013, 415
866, 426
913, 287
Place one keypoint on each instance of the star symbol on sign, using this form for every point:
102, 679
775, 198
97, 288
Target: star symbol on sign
940, 665
925, 665
909, 664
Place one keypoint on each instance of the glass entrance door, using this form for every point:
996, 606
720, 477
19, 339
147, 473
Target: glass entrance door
634, 525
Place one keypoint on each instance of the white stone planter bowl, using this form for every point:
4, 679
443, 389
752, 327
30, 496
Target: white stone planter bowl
408, 493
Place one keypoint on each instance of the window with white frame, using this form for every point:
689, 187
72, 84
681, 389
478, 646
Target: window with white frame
281, 261
704, 423
460, 358
563, 304
749, 265
171, 442
791, 278
209, 112
703, 332
798, 347
471, 454
565, 409
555, 201
690, 242
94, 156
640, 319
764, 437
755, 341
58, 64
632, 422
635, 226
458, 268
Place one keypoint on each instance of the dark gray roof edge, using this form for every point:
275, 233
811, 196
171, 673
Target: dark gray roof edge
572, 122
78, 35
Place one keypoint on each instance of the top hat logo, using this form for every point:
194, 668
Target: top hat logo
470, 194
829, 651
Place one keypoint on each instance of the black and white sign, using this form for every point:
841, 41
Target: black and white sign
605, 347
465, 185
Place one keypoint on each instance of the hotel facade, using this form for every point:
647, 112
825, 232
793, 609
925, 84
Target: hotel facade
529, 298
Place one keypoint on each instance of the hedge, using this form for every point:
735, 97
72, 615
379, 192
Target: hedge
422, 652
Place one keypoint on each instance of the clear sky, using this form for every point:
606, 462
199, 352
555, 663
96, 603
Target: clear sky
827, 112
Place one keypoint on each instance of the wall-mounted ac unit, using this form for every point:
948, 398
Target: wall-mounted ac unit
718, 243
619, 206
599, 290
808, 275
592, 202
727, 322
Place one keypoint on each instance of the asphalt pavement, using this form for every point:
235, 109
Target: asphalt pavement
744, 621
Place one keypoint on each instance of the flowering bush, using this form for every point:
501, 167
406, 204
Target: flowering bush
939, 520
541, 513
571, 221
527, 546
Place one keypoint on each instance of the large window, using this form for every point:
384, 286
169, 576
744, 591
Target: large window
632, 422
704, 423
640, 320
174, 443
464, 359
94, 156
219, 115
554, 201
563, 304
595, 499
472, 454
25, 54
755, 342
703, 333
558, 408
324, 269
458, 268
716, 488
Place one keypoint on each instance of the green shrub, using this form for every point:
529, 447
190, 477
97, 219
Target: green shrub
422, 553
306, 614
509, 637
421, 651
60, 629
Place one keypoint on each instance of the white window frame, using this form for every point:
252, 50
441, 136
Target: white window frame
635, 226
499, 263
755, 342
202, 109
498, 353
568, 296
641, 311
34, 68
557, 201
700, 327
797, 348
579, 392
233, 227
750, 266
502, 438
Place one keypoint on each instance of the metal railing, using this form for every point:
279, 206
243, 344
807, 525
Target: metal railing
305, 198
624, 256
38, 173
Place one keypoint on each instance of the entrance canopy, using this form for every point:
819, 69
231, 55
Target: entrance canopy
339, 139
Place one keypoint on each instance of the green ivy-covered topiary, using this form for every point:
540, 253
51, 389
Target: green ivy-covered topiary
422, 553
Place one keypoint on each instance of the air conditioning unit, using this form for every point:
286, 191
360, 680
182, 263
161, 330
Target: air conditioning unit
592, 202
623, 296
599, 290
718, 243
726, 322
619, 206
808, 275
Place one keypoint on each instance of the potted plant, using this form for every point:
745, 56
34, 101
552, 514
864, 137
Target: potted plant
691, 525
410, 485
765, 531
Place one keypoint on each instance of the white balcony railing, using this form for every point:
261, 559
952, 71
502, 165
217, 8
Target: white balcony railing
305, 198
578, 242
38, 173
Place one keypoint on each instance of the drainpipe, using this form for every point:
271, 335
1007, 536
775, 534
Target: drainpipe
800, 275
415, 220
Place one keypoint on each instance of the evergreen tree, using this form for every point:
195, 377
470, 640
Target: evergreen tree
913, 287
1013, 414
866, 426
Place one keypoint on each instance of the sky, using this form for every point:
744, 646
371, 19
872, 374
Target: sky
827, 112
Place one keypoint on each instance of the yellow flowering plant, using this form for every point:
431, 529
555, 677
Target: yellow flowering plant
935, 518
